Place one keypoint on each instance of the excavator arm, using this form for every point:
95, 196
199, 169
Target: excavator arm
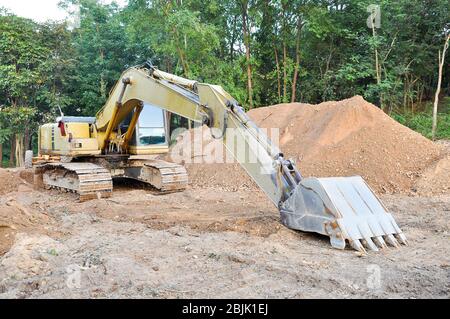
343, 208
203, 103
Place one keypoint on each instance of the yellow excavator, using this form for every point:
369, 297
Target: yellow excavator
84, 154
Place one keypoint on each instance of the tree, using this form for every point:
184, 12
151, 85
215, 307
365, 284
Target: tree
438, 90
22, 70
5, 132
18, 120
246, 35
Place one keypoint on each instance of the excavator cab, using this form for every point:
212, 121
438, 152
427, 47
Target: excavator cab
155, 130
151, 134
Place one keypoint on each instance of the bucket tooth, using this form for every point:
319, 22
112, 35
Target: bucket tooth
356, 244
380, 241
401, 238
390, 239
367, 242
343, 208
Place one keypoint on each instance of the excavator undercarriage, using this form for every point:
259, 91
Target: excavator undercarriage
88, 180
92, 178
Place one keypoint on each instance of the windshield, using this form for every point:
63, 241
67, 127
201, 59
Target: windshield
151, 126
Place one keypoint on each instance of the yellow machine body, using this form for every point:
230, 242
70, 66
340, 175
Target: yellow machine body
81, 139
78, 140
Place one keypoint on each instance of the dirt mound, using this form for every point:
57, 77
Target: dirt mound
435, 180
27, 175
344, 138
207, 165
14, 218
8, 181
15, 215
29, 256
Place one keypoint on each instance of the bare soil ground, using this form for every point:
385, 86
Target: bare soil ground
207, 243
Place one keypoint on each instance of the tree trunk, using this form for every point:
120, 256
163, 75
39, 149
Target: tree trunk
19, 150
183, 61
284, 73
102, 78
278, 74
377, 64
438, 89
102, 86
181, 53
12, 151
421, 93
26, 141
246, 32
1, 154
297, 61
405, 93
233, 38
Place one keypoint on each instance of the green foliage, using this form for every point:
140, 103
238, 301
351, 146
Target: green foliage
5, 129
320, 22
99, 55
421, 122
17, 118
22, 60
52, 252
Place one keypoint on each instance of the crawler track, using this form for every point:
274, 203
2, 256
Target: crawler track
86, 179
167, 177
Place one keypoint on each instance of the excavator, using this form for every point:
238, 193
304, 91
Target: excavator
84, 154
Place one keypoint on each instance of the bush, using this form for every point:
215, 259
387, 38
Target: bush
422, 123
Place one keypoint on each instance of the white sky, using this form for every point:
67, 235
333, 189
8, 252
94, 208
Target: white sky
40, 10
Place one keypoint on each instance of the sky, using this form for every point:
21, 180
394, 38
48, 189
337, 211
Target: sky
40, 10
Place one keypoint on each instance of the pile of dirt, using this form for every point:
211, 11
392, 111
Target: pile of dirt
207, 161
8, 181
435, 180
344, 138
14, 218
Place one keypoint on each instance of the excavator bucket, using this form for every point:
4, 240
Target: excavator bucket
343, 208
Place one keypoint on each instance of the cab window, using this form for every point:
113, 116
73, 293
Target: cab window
151, 128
